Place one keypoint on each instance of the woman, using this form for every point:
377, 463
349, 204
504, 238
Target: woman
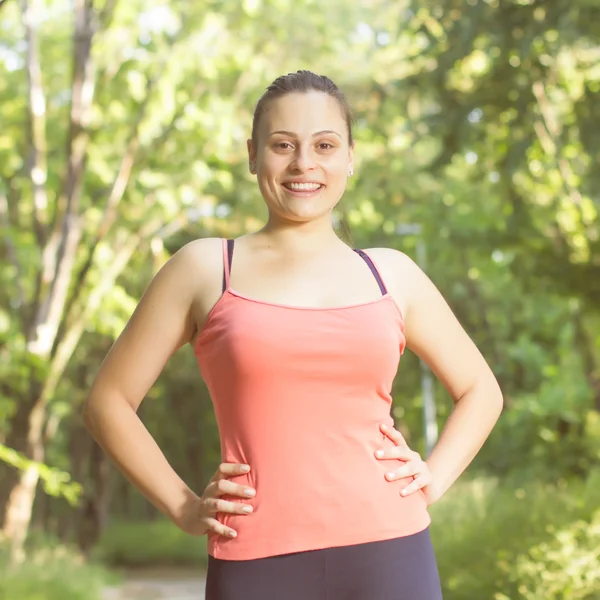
298, 338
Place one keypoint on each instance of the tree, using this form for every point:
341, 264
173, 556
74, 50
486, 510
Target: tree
151, 84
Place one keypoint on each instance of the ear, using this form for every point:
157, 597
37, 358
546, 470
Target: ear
351, 159
251, 157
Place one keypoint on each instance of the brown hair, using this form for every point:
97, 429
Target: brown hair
302, 82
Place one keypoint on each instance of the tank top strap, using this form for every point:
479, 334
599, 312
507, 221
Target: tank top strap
373, 268
227, 260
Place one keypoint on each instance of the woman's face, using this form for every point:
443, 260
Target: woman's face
302, 156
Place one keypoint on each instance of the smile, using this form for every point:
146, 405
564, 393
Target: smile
302, 187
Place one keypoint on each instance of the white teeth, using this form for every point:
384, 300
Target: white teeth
303, 187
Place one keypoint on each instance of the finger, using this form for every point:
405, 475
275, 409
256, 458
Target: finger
232, 469
224, 486
396, 453
419, 482
218, 505
393, 434
408, 470
220, 529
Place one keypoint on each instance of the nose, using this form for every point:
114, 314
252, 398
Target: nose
304, 159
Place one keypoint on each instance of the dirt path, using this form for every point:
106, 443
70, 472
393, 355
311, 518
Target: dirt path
158, 585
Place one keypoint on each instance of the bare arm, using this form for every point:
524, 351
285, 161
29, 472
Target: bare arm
435, 335
160, 325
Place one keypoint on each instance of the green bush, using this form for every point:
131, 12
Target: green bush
52, 573
494, 540
497, 541
158, 543
565, 568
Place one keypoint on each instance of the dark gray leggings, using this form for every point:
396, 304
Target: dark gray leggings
399, 569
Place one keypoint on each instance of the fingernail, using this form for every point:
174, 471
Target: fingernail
249, 492
379, 453
390, 475
247, 509
383, 426
232, 534
403, 492
245, 468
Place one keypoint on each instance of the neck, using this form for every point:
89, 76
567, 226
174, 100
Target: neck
311, 235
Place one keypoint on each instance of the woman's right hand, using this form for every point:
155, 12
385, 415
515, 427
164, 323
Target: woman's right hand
200, 516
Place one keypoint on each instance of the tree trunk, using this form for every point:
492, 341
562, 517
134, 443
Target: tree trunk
58, 252
26, 436
29, 421
79, 449
94, 513
585, 347
57, 313
44, 517
18, 512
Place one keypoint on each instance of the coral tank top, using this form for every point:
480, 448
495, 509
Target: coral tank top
299, 394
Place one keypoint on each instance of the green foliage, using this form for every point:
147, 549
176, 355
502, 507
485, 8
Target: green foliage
567, 567
52, 572
495, 540
141, 544
475, 120
56, 482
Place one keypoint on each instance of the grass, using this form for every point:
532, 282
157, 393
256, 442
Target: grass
52, 572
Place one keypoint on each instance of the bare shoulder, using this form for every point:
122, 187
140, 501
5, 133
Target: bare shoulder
397, 269
193, 275
401, 275
392, 259
432, 330
164, 320
203, 255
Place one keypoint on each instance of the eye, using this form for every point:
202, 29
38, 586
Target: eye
283, 145
325, 146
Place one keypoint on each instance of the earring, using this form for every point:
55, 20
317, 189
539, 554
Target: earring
351, 172
252, 167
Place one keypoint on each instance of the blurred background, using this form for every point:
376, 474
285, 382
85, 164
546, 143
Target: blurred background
122, 137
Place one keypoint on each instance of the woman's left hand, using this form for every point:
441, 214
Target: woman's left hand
414, 466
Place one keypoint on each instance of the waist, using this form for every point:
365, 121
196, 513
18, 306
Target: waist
319, 449
295, 522
317, 498
331, 471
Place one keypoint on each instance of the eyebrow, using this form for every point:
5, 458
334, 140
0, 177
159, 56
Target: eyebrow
292, 134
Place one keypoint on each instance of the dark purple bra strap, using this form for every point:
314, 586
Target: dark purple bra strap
227, 269
374, 270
